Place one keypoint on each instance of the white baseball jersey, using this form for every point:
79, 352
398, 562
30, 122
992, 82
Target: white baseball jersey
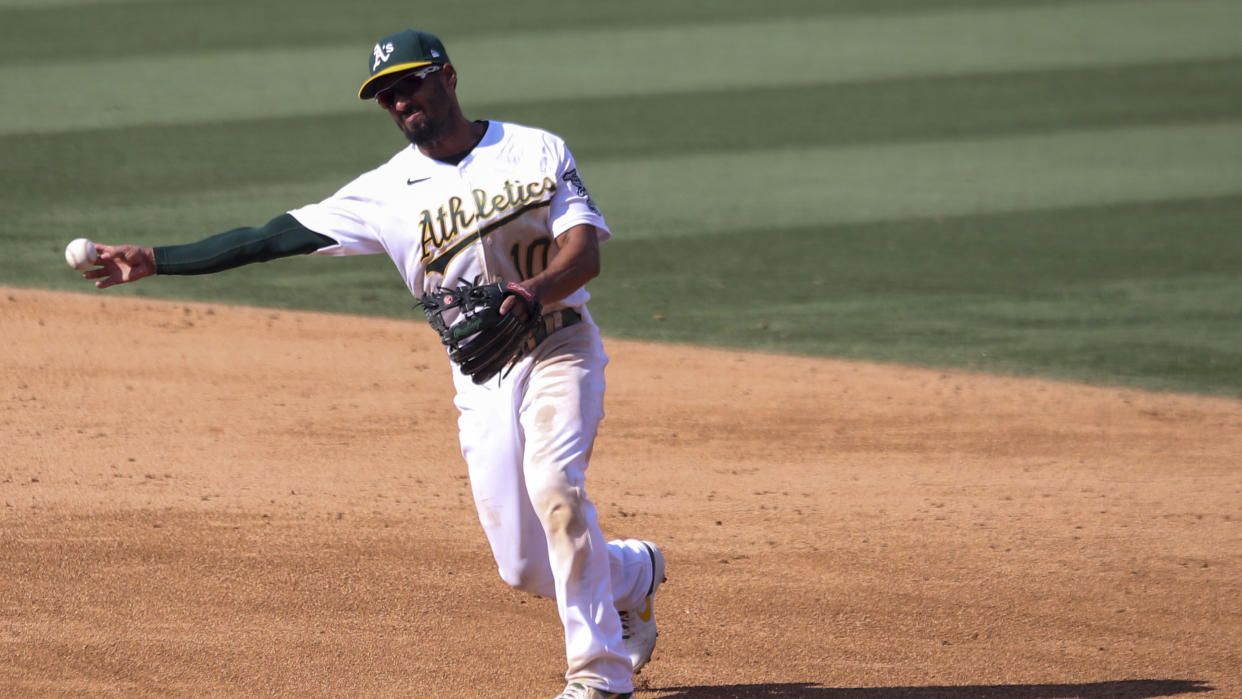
493, 216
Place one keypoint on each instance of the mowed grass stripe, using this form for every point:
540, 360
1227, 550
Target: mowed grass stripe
905, 109
796, 186
655, 198
1142, 294
143, 162
551, 65
163, 27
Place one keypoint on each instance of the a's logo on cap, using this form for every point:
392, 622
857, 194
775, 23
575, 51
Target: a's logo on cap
382, 53
435, 53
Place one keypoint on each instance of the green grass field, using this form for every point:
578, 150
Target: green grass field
1025, 186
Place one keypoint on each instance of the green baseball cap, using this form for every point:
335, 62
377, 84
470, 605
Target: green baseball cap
405, 50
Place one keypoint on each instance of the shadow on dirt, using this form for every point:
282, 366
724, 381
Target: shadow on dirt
1122, 689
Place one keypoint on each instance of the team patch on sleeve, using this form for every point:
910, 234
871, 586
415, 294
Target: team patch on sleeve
575, 180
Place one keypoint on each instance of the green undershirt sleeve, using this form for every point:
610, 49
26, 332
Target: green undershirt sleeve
283, 236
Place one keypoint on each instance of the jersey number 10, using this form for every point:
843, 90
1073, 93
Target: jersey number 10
534, 261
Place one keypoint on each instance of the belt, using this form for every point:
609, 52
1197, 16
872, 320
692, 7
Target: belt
554, 321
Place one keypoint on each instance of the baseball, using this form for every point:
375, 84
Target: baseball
81, 254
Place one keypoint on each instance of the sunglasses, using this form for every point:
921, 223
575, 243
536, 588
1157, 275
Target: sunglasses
407, 84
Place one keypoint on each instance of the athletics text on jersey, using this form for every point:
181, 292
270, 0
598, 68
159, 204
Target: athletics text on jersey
492, 216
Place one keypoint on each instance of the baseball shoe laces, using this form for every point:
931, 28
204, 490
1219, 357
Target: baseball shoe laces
638, 626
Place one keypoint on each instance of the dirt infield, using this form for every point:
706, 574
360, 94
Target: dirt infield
204, 500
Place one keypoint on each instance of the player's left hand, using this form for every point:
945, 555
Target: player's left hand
119, 264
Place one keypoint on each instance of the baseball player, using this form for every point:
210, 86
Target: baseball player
503, 203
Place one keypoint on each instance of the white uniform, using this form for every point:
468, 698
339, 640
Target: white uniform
526, 437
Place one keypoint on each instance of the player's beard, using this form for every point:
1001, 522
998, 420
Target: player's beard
426, 134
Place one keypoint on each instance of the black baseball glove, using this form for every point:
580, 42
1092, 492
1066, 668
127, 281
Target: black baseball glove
484, 341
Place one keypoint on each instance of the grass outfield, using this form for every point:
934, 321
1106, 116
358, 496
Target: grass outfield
1036, 186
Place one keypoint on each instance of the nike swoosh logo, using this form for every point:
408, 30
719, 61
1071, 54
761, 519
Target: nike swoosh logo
421, 179
645, 614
